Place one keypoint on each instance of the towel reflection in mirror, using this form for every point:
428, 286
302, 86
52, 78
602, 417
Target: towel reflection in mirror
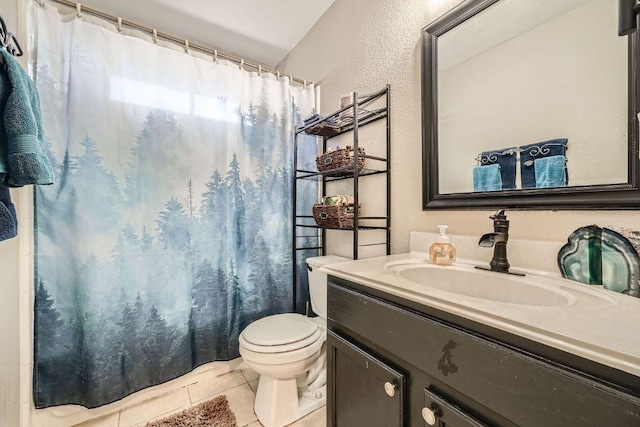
534, 157
542, 165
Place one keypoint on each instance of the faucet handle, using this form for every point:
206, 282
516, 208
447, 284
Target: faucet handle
499, 215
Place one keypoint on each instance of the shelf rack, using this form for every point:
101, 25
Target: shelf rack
347, 119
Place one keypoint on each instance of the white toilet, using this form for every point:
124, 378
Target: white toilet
288, 352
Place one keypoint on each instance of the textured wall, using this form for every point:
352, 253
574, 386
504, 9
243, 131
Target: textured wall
361, 45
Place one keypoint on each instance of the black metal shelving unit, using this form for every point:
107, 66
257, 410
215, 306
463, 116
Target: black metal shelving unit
361, 115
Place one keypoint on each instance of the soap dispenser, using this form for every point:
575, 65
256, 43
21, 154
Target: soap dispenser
442, 251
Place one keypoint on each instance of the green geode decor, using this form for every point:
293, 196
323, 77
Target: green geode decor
601, 256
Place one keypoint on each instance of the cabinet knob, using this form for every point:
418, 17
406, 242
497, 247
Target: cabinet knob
430, 415
390, 389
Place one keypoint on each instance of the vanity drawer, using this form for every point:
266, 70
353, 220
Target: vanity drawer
523, 389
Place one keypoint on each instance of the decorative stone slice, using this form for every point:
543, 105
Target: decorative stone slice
601, 256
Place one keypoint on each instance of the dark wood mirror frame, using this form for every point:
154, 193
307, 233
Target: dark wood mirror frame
615, 196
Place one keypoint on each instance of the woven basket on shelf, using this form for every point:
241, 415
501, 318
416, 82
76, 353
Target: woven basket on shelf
335, 216
339, 159
323, 129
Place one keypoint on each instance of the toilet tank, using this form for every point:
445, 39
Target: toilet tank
318, 282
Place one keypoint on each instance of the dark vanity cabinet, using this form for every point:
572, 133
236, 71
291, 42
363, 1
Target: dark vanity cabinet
393, 362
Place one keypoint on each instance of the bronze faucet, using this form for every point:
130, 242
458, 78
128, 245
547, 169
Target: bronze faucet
498, 240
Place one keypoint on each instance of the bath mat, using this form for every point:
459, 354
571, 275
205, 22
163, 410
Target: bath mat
213, 413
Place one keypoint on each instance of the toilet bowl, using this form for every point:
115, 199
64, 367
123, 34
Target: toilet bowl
288, 352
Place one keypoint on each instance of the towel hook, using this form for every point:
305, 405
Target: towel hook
78, 10
16, 50
8, 40
119, 26
4, 33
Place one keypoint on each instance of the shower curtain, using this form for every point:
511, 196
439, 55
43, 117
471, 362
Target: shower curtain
168, 228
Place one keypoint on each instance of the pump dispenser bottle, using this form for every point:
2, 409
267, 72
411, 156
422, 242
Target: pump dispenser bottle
442, 251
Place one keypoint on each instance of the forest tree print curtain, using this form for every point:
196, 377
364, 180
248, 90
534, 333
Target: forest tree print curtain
168, 228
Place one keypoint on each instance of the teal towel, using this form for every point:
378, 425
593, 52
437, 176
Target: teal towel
25, 162
550, 172
5, 90
487, 178
8, 217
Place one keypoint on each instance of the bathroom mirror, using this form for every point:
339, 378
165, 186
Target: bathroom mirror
530, 104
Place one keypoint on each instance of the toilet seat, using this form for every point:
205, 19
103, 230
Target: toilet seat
280, 333
282, 358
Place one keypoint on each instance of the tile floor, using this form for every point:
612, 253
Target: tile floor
238, 385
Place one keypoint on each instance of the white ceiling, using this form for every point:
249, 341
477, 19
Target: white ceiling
264, 31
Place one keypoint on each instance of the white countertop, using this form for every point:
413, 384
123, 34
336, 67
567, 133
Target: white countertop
600, 325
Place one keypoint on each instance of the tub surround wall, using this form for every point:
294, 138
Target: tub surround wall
361, 45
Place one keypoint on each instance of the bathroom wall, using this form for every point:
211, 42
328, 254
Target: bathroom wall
10, 327
361, 45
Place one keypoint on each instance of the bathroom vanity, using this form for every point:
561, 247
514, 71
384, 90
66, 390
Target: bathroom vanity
396, 360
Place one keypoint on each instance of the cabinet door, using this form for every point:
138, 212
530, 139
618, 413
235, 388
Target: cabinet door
365, 391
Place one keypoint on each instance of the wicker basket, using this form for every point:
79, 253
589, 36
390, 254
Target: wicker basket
339, 159
323, 129
335, 216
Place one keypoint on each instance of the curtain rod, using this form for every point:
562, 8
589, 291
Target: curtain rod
119, 22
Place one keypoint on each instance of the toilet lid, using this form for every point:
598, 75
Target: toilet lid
280, 332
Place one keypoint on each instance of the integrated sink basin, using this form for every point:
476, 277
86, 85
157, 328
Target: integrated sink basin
498, 287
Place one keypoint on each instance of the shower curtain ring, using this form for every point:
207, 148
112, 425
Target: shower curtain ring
119, 27
155, 35
260, 70
215, 56
278, 75
186, 46
41, 3
241, 64
78, 10
304, 84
